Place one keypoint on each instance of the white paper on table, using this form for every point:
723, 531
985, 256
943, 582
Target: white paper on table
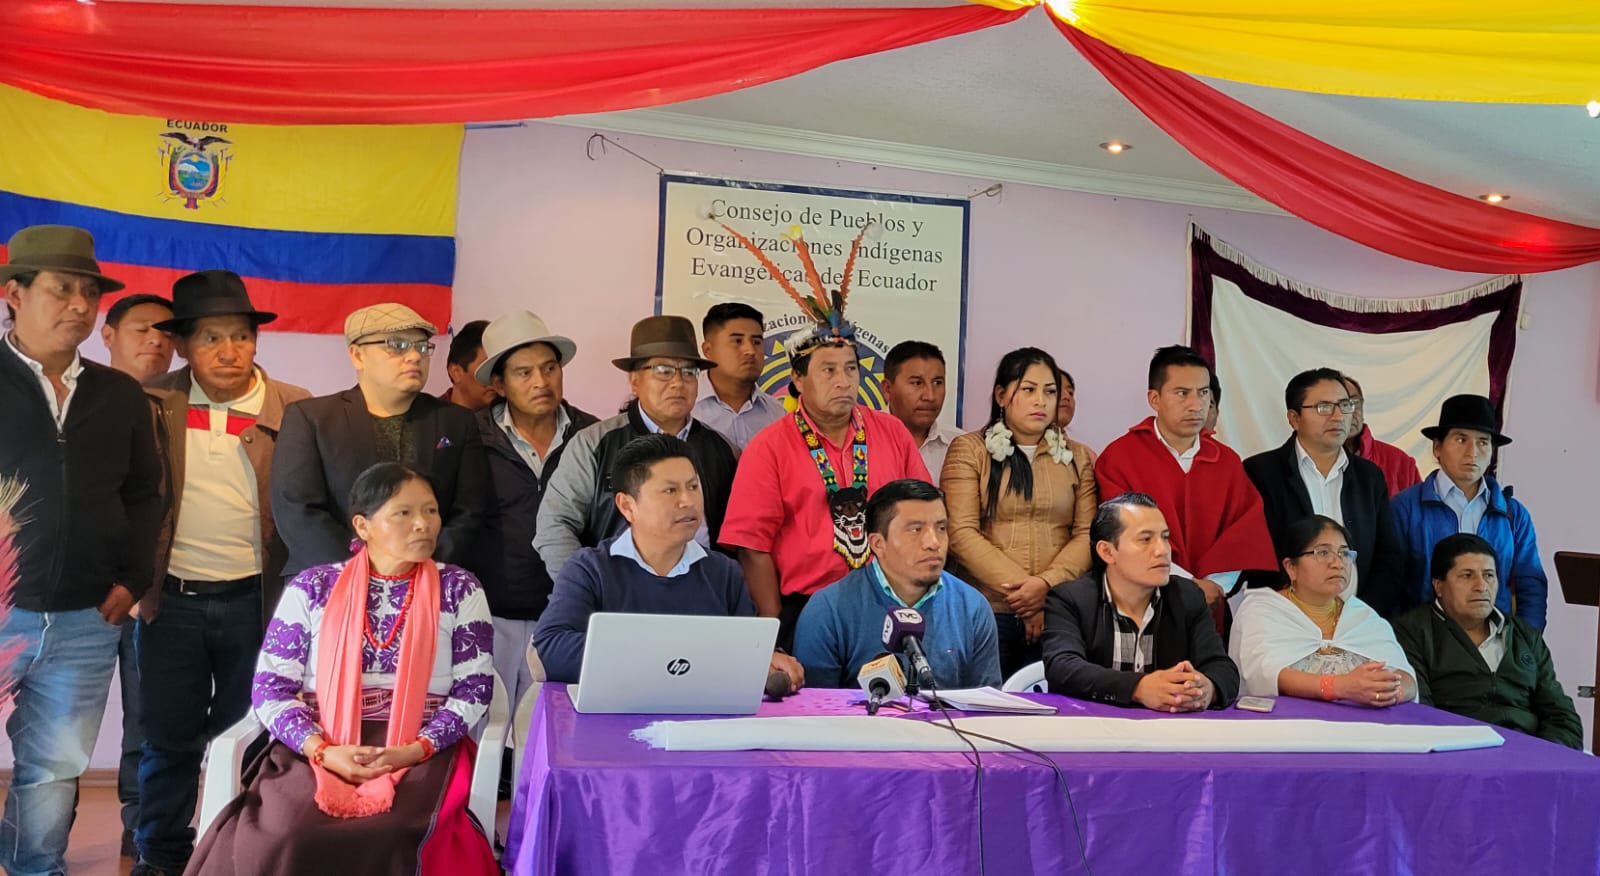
1061, 733
987, 699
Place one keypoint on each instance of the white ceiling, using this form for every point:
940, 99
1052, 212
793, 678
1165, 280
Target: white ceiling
1017, 103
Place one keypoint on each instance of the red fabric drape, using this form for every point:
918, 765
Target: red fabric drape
1346, 195
297, 65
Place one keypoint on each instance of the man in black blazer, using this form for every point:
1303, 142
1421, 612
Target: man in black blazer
1130, 632
1312, 474
328, 441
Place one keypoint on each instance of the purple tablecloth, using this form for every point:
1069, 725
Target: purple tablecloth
591, 800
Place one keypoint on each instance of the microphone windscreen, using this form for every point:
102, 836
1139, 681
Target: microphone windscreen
898, 623
884, 668
778, 684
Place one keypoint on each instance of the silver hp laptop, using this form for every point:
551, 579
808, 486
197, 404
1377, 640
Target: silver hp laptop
674, 664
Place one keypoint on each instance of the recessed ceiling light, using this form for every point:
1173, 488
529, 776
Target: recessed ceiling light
1115, 147
1593, 107
1494, 198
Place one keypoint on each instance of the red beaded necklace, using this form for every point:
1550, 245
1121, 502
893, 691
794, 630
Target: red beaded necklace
399, 620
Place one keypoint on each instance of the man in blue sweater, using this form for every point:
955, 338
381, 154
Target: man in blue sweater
841, 627
655, 566
1460, 497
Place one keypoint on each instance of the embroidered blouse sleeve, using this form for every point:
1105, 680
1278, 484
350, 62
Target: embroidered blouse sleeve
283, 667
466, 610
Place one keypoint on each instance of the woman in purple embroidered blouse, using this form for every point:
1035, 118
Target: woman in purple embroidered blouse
274, 828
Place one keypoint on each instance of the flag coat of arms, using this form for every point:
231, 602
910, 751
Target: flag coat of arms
318, 220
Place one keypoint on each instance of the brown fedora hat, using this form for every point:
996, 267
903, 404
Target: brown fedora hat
667, 337
60, 248
210, 293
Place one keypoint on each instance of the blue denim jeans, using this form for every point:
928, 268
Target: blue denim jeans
196, 662
132, 738
62, 674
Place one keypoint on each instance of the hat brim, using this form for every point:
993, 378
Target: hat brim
1434, 433
565, 348
181, 323
107, 284
426, 328
629, 363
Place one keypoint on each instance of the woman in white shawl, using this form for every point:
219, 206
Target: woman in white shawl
1307, 641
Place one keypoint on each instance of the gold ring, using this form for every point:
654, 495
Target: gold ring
1376, 696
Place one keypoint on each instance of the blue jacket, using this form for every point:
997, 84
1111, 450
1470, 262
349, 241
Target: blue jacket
841, 628
1423, 519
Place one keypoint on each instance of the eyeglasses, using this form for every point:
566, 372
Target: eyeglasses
665, 373
1326, 554
1326, 408
401, 346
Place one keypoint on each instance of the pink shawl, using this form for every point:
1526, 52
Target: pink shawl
338, 678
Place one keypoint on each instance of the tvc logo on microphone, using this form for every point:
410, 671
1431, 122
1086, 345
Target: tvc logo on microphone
900, 615
678, 666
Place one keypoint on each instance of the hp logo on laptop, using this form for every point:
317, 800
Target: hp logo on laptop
679, 666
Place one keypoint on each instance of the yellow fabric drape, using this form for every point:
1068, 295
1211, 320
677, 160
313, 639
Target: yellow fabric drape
1009, 5
1536, 51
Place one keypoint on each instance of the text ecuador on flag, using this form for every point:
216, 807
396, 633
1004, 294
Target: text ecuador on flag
319, 221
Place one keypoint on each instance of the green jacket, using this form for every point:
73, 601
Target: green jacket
1522, 694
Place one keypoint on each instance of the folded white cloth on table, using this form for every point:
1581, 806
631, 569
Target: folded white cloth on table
1060, 733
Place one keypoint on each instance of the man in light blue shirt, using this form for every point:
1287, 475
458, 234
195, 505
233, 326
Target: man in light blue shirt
841, 627
732, 404
1461, 497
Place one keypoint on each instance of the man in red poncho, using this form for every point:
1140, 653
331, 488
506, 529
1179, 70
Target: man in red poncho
1214, 511
1399, 467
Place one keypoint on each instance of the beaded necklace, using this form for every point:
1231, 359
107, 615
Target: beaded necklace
399, 620
846, 505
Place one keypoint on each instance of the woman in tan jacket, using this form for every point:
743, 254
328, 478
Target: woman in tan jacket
1021, 496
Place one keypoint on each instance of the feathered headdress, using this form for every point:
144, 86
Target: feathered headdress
825, 308
11, 490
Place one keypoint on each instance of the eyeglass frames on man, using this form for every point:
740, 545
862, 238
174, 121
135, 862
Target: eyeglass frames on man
1326, 407
664, 372
401, 346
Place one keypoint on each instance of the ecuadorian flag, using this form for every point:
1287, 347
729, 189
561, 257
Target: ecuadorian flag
319, 221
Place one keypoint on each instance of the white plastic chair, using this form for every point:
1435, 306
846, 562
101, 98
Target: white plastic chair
225, 762
519, 729
1028, 679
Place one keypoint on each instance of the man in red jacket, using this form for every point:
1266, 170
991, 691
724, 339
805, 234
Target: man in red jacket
1213, 510
1399, 467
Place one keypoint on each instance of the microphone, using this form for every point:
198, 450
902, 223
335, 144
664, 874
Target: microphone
778, 685
881, 679
903, 629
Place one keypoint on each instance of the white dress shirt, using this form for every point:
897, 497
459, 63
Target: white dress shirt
1324, 491
69, 379
935, 446
1185, 458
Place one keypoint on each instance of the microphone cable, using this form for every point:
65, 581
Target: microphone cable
976, 761
1072, 810
964, 734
